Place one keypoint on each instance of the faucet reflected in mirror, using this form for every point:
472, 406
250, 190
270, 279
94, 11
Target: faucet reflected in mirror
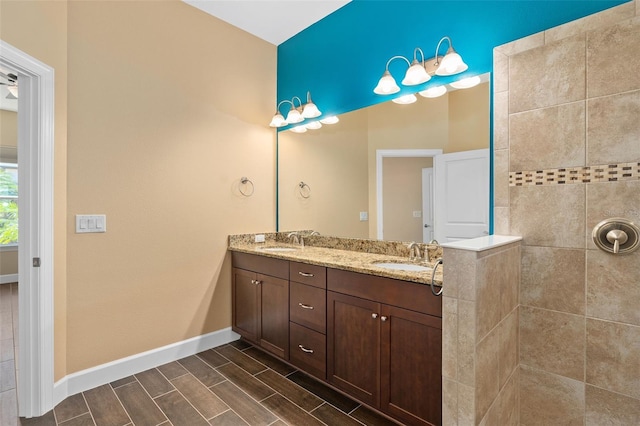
340, 163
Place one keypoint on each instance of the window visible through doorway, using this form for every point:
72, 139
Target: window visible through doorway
8, 204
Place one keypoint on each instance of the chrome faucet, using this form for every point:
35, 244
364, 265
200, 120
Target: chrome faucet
293, 237
314, 233
414, 251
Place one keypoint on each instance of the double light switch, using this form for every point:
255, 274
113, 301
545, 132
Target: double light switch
86, 223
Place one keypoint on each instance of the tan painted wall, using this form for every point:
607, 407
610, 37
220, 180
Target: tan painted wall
8, 140
162, 124
39, 28
333, 162
469, 119
402, 191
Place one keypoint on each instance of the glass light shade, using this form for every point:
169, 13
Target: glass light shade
314, 125
466, 83
387, 85
294, 116
310, 110
13, 90
416, 74
451, 64
332, 119
433, 92
299, 129
278, 120
405, 99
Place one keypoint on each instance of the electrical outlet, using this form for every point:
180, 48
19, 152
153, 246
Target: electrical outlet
417, 213
259, 238
364, 216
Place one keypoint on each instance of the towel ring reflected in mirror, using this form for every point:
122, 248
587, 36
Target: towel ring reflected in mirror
304, 189
246, 187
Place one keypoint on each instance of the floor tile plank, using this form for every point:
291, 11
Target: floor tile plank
322, 391
172, 370
245, 381
246, 407
228, 418
179, 411
83, 420
154, 382
270, 361
289, 412
332, 416
46, 420
205, 401
123, 381
243, 361
371, 418
299, 396
201, 370
139, 405
213, 358
105, 407
71, 407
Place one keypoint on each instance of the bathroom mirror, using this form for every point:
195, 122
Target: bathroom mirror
329, 179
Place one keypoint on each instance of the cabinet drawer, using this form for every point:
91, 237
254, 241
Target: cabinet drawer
308, 306
261, 264
308, 350
308, 274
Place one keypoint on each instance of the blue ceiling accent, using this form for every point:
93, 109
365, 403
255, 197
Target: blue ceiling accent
340, 58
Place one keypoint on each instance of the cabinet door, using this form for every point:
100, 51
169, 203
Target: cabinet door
353, 346
274, 307
246, 304
411, 357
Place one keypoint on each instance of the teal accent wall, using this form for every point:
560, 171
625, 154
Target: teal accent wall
340, 58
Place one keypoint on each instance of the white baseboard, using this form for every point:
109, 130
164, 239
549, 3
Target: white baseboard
118, 369
8, 278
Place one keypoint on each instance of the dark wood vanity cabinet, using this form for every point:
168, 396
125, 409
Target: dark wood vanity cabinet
260, 297
388, 355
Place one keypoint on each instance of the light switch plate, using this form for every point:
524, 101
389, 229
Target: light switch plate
417, 213
91, 223
364, 216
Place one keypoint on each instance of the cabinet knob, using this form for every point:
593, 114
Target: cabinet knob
256, 282
383, 318
303, 349
374, 315
303, 306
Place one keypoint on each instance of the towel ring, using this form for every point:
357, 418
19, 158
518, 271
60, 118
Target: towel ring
245, 181
433, 275
302, 190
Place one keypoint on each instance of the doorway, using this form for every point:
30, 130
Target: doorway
35, 222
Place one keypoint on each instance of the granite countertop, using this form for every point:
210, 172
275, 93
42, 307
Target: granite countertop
347, 260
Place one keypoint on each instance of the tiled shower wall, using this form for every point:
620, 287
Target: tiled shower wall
567, 155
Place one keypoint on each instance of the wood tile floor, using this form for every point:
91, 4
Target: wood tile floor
234, 384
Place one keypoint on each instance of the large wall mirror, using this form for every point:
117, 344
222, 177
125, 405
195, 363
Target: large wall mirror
371, 174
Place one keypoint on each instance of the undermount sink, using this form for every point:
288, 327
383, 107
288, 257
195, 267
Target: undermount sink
276, 249
398, 266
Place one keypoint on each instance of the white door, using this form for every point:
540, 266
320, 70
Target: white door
427, 204
461, 195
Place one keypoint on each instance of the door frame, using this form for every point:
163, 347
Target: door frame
35, 177
381, 154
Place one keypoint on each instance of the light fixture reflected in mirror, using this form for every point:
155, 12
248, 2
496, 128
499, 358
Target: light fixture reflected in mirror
420, 72
299, 129
405, 99
433, 92
314, 125
332, 119
296, 114
466, 83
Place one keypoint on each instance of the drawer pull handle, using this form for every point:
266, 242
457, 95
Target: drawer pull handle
305, 350
305, 274
303, 306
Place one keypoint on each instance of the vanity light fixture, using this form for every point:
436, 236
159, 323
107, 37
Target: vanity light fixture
466, 83
295, 114
332, 119
420, 72
405, 99
299, 129
314, 125
433, 92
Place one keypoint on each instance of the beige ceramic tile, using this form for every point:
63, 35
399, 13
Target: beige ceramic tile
493, 415
466, 342
487, 372
521, 45
501, 220
611, 199
449, 402
552, 341
605, 18
501, 178
449, 337
488, 295
613, 60
549, 399
552, 216
613, 131
501, 120
613, 358
547, 138
613, 289
553, 279
508, 330
608, 408
508, 277
466, 407
461, 276
508, 400
546, 76
500, 72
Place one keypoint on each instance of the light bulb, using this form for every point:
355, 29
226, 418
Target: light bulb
416, 74
387, 85
278, 120
433, 92
451, 64
310, 110
294, 116
466, 83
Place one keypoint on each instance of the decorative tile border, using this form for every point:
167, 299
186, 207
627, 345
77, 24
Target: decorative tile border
569, 175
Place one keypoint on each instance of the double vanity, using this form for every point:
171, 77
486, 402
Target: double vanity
356, 314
